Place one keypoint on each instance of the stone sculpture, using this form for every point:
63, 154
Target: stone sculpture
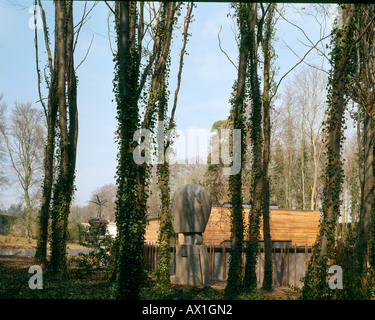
191, 208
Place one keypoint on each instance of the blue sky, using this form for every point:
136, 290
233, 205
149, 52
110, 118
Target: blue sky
206, 86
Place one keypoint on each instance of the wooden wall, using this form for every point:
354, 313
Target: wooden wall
298, 226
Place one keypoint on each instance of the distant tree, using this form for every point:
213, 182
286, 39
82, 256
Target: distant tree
215, 181
3, 152
24, 139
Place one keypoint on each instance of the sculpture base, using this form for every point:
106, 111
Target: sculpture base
192, 265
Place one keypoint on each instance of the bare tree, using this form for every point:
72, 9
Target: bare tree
24, 143
310, 95
3, 176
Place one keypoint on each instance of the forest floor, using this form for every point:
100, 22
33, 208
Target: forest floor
97, 285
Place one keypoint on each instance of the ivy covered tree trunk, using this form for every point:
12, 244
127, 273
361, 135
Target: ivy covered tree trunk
256, 197
163, 171
315, 284
235, 273
267, 54
165, 228
130, 203
67, 121
49, 156
41, 250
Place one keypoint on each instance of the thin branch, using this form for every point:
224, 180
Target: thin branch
308, 64
37, 61
304, 33
182, 53
46, 36
110, 8
87, 52
109, 35
83, 20
298, 63
221, 49
360, 36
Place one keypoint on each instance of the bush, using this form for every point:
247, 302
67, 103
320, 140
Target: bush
101, 256
74, 231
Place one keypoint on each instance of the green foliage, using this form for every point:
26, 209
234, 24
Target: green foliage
101, 256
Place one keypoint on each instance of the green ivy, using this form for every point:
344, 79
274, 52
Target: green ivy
236, 118
315, 281
131, 199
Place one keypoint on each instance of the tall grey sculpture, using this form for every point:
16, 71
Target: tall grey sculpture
191, 208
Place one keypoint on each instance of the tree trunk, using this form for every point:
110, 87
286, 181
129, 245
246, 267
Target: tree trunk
331, 205
28, 213
266, 46
49, 156
252, 247
131, 206
41, 250
66, 97
315, 279
58, 248
234, 284
163, 171
368, 170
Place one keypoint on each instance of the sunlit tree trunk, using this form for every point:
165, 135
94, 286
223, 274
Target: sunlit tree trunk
68, 130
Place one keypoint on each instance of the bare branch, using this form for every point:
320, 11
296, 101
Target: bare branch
182, 53
304, 33
46, 36
110, 8
87, 52
221, 49
109, 35
37, 61
298, 63
83, 20
308, 64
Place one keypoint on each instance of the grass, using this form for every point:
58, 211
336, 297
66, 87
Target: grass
12, 242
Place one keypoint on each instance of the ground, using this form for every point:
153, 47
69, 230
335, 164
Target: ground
86, 284
17, 268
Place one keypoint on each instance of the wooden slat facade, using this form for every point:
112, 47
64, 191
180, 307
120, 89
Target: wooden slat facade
298, 226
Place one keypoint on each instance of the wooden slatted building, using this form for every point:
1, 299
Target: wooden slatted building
300, 227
